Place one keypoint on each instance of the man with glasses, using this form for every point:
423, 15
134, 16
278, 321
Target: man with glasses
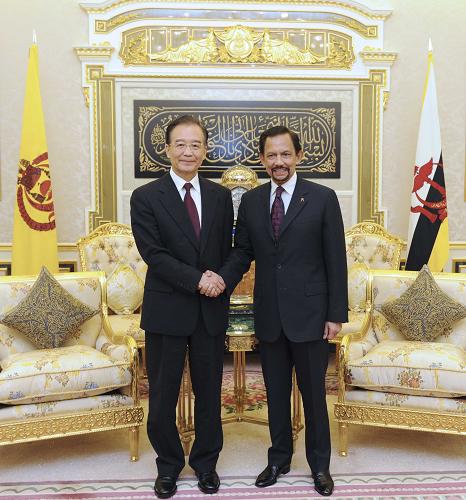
182, 225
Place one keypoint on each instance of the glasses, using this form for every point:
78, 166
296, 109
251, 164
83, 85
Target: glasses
181, 147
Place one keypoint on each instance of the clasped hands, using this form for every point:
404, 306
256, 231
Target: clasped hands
211, 284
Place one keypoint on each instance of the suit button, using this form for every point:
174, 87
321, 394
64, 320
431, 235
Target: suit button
279, 266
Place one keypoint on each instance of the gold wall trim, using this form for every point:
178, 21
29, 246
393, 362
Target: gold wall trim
371, 54
369, 147
150, 14
104, 147
84, 53
378, 15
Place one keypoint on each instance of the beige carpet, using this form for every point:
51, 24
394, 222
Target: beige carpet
106, 455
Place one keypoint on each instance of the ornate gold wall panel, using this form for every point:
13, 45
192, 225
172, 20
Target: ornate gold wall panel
369, 147
326, 44
104, 147
323, 49
168, 15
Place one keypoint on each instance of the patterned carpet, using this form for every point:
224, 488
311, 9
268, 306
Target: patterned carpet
412, 486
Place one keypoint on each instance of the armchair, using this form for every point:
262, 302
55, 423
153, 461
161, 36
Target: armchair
86, 386
368, 246
386, 380
111, 248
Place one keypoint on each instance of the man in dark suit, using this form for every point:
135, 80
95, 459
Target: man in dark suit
182, 225
293, 229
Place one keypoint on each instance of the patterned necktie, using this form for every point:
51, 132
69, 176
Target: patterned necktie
192, 210
278, 212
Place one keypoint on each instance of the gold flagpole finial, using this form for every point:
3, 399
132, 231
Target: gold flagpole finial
34, 37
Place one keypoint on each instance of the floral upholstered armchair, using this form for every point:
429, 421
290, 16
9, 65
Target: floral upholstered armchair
111, 248
72, 378
408, 371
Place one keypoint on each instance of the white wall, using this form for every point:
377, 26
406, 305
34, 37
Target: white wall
62, 25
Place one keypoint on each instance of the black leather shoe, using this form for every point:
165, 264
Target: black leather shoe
270, 475
165, 486
323, 483
208, 482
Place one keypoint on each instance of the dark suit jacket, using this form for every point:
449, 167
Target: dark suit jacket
176, 260
301, 281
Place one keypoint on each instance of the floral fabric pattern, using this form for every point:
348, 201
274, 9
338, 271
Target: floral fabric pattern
406, 367
60, 373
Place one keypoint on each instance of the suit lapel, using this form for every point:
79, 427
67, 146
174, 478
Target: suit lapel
265, 208
174, 205
297, 203
209, 201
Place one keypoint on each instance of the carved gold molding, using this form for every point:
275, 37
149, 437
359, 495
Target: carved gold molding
98, 52
372, 54
358, 8
369, 147
104, 147
150, 14
400, 418
237, 45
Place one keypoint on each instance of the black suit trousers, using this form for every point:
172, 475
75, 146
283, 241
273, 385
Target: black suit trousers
165, 356
310, 360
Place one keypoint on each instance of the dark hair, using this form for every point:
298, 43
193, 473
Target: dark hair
279, 130
185, 120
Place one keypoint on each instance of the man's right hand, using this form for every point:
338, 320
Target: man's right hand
211, 284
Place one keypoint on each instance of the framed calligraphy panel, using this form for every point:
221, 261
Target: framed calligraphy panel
234, 128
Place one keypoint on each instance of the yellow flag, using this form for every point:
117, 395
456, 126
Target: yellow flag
34, 232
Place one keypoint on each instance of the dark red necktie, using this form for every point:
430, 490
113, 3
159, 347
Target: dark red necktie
192, 210
278, 212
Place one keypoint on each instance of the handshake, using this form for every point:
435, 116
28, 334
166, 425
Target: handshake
211, 284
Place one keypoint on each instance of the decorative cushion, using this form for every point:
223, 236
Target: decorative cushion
125, 290
357, 280
57, 374
48, 314
406, 367
423, 311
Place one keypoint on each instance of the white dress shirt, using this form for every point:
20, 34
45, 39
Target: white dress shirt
195, 190
288, 187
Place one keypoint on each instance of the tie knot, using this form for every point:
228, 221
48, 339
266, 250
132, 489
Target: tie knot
279, 191
188, 186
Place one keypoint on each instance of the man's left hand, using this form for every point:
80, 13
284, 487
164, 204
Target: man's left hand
331, 330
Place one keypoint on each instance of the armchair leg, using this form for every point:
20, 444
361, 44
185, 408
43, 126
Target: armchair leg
134, 443
343, 438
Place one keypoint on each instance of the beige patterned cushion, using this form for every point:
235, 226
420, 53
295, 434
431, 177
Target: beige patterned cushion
57, 374
455, 405
406, 367
53, 408
48, 315
125, 290
423, 311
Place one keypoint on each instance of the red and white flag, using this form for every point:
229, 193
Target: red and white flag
428, 224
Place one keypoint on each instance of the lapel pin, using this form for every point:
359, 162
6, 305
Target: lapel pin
301, 200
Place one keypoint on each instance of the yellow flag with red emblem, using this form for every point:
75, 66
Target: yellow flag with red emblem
34, 232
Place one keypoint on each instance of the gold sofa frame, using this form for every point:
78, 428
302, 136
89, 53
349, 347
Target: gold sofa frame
383, 416
84, 422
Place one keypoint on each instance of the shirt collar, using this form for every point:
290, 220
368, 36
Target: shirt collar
288, 186
180, 182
